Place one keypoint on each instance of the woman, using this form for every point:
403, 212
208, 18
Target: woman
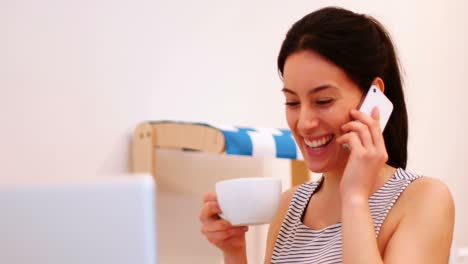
366, 208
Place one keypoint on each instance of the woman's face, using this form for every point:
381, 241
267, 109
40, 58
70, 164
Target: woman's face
319, 97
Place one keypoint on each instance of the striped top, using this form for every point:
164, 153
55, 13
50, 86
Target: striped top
297, 243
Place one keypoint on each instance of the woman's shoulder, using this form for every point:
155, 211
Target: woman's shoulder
426, 187
427, 209
287, 196
421, 186
304, 188
277, 221
428, 195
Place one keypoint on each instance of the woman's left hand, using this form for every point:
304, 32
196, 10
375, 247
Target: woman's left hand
363, 137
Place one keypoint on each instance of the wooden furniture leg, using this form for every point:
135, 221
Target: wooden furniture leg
299, 172
143, 149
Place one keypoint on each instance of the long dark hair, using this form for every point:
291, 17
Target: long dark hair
362, 47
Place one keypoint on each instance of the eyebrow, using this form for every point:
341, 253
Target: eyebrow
313, 90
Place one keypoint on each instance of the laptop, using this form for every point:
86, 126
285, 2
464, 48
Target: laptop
105, 221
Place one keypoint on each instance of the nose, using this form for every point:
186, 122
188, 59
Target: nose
308, 121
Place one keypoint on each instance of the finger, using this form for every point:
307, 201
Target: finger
370, 121
352, 141
219, 236
218, 225
362, 130
377, 133
209, 196
210, 211
375, 113
373, 122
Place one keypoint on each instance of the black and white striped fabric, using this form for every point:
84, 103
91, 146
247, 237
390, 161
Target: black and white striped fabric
297, 243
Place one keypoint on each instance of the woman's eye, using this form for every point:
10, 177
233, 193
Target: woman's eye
291, 104
324, 101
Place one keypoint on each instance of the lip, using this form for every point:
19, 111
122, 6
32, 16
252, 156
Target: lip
318, 153
318, 137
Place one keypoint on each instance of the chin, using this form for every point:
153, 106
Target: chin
317, 168
322, 166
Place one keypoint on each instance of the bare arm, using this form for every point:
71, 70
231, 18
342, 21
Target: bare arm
424, 234
359, 241
275, 225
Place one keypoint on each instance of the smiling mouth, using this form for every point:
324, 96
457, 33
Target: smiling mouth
320, 142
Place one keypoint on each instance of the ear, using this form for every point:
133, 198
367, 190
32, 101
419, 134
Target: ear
379, 83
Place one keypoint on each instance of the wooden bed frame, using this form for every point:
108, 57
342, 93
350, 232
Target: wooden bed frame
145, 142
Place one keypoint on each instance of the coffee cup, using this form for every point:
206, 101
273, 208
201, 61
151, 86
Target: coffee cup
249, 201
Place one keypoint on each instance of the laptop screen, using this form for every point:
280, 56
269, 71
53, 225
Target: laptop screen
104, 221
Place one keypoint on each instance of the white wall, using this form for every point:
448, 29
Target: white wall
77, 76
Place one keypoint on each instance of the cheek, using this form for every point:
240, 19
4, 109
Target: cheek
336, 116
291, 118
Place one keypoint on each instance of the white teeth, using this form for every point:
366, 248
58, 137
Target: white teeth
318, 142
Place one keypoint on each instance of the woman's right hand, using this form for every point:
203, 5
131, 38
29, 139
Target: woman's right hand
219, 232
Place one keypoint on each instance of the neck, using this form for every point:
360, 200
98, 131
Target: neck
332, 180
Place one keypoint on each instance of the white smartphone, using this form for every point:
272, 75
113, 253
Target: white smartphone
375, 97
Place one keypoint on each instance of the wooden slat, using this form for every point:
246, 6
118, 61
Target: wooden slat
143, 157
143, 149
299, 172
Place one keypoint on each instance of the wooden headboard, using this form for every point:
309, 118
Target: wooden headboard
195, 137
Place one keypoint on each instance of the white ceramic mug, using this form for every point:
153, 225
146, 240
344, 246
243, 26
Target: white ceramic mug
249, 201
